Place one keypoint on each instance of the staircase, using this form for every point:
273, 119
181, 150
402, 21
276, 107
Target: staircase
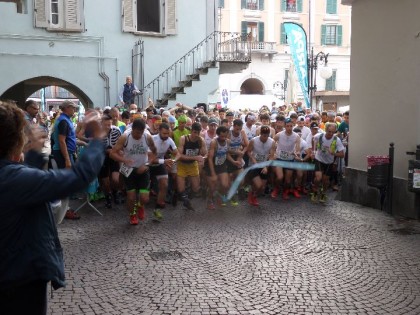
216, 49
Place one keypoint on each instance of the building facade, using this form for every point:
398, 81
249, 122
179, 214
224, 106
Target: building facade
89, 47
327, 25
384, 99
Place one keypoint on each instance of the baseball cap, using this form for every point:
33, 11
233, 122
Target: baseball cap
172, 119
301, 118
273, 117
314, 125
229, 113
213, 121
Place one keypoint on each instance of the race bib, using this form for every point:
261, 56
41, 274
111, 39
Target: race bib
260, 157
126, 170
220, 159
284, 155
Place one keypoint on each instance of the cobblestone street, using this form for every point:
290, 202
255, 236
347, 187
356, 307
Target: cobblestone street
289, 257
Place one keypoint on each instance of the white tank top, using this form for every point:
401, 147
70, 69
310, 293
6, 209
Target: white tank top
136, 150
235, 141
250, 132
261, 150
207, 139
286, 146
221, 153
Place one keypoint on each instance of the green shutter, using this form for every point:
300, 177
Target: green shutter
330, 82
243, 4
331, 6
221, 3
283, 5
261, 5
323, 34
260, 31
299, 6
244, 30
339, 35
283, 38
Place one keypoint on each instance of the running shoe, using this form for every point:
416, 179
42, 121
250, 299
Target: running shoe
234, 201
141, 213
323, 198
296, 193
187, 204
285, 194
210, 204
108, 201
314, 197
157, 215
133, 219
275, 193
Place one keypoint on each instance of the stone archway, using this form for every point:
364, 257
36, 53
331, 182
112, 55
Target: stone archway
22, 90
252, 86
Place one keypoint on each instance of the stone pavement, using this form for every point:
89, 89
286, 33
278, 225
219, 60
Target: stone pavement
289, 257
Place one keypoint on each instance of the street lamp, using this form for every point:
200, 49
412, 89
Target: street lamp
280, 86
325, 71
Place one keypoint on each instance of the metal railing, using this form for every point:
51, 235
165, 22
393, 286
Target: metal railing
262, 46
216, 47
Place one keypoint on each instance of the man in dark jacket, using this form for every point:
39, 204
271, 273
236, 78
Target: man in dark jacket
128, 92
30, 251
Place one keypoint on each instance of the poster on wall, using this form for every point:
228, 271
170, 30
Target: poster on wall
224, 98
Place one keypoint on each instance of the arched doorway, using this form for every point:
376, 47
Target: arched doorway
252, 86
22, 90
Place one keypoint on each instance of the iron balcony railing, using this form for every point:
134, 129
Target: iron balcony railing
216, 47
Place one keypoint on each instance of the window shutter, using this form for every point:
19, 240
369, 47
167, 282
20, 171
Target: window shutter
243, 4
283, 38
41, 13
221, 3
334, 76
323, 34
171, 21
260, 31
73, 12
283, 5
339, 35
129, 15
261, 5
332, 6
244, 30
299, 6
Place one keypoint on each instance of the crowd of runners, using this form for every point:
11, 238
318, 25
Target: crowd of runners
182, 153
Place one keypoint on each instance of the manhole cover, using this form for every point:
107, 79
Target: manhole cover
166, 255
405, 231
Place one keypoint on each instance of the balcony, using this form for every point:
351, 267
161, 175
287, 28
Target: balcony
263, 47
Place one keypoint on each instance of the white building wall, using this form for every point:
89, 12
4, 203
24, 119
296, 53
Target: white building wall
28, 52
385, 75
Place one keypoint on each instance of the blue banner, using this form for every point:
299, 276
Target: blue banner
296, 38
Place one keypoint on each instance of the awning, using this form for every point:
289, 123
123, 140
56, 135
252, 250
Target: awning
332, 93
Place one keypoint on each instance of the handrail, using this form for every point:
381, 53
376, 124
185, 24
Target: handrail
218, 46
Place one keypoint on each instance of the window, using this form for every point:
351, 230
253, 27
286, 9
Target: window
331, 35
56, 15
149, 16
252, 4
21, 5
331, 6
291, 5
330, 83
253, 31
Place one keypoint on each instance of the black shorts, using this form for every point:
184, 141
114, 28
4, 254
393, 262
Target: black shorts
109, 166
219, 169
138, 182
158, 170
326, 169
285, 168
256, 172
232, 167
